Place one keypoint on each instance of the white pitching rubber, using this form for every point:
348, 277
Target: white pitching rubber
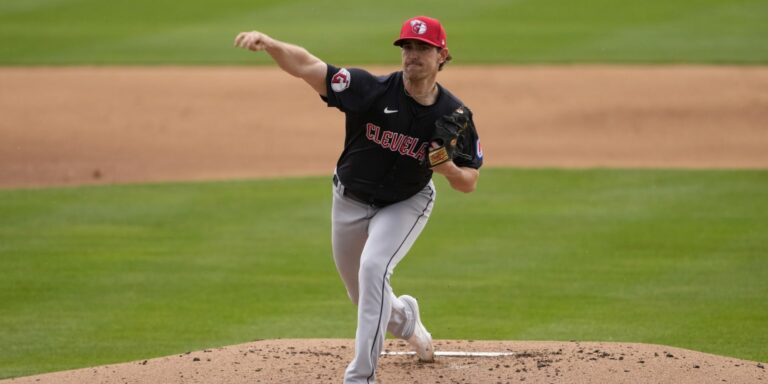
454, 354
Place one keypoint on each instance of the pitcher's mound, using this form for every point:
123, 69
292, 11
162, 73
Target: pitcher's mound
324, 361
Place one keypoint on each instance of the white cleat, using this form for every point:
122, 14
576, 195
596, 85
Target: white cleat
420, 340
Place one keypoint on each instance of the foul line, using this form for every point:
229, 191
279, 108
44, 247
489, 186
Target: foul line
454, 354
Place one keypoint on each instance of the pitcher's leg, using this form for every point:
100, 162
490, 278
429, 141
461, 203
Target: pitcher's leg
349, 227
391, 233
402, 320
369, 337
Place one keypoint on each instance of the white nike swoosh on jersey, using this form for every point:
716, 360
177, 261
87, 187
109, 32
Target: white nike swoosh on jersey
388, 111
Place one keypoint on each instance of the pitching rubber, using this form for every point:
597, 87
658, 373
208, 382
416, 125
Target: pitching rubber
453, 354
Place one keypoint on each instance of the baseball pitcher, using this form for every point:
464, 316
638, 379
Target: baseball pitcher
400, 129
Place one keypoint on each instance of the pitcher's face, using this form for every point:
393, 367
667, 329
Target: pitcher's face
421, 60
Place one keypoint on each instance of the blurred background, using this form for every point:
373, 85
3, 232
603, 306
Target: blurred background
82, 32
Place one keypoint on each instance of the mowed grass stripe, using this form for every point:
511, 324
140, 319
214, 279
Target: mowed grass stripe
95, 275
72, 32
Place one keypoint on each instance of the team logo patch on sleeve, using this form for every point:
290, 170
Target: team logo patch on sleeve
341, 80
479, 149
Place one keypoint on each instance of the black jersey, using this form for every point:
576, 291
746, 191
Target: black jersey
388, 133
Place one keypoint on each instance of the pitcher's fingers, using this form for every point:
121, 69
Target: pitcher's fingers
247, 39
250, 39
239, 38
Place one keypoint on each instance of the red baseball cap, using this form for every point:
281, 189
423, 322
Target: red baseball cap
424, 29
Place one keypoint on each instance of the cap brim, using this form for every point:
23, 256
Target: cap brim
399, 42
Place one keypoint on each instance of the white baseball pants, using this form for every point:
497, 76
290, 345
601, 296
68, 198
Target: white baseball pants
368, 242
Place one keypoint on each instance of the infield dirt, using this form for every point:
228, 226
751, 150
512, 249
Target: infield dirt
70, 126
73, 126
323, 361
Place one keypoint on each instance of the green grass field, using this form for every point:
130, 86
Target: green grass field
68, 32
95, 275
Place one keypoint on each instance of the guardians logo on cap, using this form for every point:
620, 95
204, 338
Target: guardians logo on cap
423, 28
418, 27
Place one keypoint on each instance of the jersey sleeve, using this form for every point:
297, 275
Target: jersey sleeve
469, 146
350, 90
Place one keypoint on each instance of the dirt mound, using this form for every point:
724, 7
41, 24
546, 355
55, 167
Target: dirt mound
323, 361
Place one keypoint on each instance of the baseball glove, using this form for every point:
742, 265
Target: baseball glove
448, 134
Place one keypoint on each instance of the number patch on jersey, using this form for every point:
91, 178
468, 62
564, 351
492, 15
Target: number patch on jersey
341, 80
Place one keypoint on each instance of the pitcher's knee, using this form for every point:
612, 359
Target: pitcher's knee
372, 272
